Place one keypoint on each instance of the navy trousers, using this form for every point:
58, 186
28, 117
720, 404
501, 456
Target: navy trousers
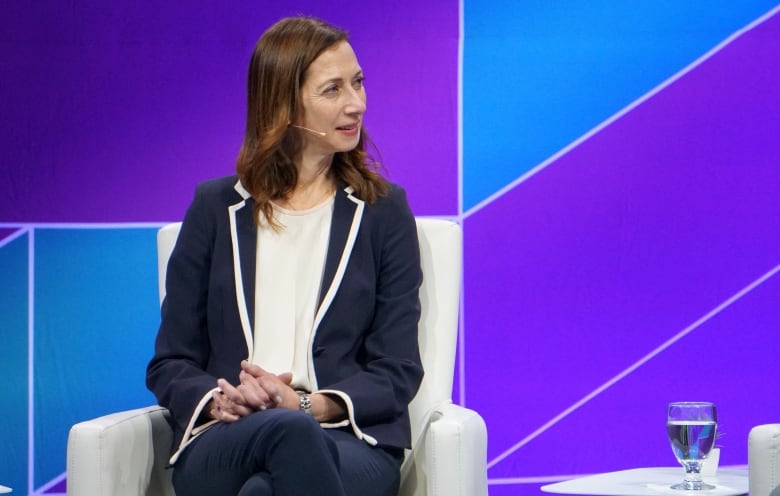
284, 453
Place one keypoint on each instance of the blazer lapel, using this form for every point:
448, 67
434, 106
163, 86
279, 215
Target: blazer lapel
243, 234
347, 214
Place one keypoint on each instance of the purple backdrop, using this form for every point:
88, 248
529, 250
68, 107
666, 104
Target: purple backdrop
116, 110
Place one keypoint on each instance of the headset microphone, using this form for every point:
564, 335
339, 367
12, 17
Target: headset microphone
320, 133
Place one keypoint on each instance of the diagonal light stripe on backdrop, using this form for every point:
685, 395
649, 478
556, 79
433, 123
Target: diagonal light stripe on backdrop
45, 490
13, 236
709, 315
628, 108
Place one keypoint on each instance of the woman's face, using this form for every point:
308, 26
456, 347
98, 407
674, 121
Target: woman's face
333, 100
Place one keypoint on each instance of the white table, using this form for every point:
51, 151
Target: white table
4, 489
651, 482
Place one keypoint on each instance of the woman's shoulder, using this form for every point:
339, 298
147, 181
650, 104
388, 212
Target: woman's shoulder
218, 185
390, 209
394, 198
213, 196
225, 190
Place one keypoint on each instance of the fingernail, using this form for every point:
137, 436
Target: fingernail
278, 400
262, 408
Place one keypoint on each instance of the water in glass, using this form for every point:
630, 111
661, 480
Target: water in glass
691, 427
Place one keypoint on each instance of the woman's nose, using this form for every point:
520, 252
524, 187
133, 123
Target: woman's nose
357, 102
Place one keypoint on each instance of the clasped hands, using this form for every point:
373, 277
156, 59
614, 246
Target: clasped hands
258, 389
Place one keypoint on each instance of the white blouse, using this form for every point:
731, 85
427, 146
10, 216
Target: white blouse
290, 266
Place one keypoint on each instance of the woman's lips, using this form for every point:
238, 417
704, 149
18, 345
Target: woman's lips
349, 129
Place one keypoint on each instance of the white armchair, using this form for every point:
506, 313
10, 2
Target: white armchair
126, 453
764, 460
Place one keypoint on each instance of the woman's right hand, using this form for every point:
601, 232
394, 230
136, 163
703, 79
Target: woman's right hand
258, 390
228, 404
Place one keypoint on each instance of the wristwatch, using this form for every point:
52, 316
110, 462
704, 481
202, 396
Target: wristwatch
305, 402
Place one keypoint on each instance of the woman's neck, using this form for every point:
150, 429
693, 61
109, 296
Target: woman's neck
313, 169
315, 184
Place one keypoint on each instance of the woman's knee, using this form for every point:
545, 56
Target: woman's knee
291, 430
259, 484
291, 424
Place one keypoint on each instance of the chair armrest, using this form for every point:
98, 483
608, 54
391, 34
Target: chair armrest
764, 460
456, 453
122, 454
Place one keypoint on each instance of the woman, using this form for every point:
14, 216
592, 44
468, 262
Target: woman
287, 352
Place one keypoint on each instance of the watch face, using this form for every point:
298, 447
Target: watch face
305, 402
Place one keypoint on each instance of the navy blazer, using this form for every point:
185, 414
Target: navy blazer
365, 330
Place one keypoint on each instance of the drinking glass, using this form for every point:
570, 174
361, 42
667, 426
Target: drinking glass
691, 429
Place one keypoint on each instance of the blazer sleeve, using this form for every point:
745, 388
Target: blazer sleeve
177, 373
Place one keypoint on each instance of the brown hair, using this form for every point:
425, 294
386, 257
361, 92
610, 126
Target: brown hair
277, 70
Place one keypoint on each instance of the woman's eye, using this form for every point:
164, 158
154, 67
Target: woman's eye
358, 83
331, 90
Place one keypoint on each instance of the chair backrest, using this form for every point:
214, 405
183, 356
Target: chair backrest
166, 239
441, 255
